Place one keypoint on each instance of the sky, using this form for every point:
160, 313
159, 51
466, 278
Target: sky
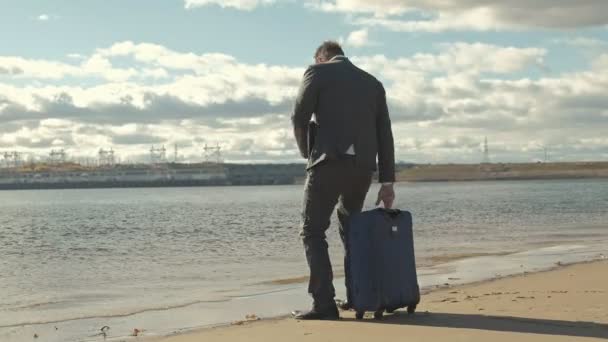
130, 74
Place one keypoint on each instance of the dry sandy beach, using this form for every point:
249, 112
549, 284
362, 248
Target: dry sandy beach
566, 304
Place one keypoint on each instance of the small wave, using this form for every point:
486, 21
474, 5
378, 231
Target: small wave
261, 293
445, 258
15, 307
117, 315
294, 280
285, 281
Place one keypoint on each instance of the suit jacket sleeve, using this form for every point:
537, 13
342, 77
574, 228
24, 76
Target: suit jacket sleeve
384, 134
306, 102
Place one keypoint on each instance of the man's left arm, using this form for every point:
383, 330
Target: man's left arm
386, 151
305, 105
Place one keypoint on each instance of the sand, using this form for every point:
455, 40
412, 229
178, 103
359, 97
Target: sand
567, 304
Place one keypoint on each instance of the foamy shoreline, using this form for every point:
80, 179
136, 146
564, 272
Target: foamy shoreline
572, 304
451, 282
275, 304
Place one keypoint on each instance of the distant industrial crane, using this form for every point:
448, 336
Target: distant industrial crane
12, 159
106, 157
486, 152
213, 154
158, 155
57, 157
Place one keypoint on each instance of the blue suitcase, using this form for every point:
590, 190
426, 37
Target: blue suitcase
382, 267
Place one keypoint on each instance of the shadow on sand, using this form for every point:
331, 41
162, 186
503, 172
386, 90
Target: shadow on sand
495, 323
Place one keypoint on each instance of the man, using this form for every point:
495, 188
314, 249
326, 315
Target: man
352, 129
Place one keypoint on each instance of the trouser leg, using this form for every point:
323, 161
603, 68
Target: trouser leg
320, 198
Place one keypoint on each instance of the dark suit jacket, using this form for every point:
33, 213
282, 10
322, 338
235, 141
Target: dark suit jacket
350, 108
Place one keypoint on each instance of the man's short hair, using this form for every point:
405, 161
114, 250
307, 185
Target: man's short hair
329, 49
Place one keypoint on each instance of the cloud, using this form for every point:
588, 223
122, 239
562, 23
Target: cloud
137, 139
75, 56
95, 66
434, 87
44, 17
479, 15
154, 108
442, 103
458, 57
359, 38
185, 86
582, 42
246, 5
601, 63
10, 70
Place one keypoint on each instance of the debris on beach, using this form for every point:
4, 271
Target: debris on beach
35, 335
248, 318
252, 317
136, 332
104, 331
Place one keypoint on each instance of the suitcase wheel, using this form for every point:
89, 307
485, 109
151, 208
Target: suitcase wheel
378, 314
359, 315
411, 309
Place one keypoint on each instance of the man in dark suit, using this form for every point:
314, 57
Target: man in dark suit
352, 127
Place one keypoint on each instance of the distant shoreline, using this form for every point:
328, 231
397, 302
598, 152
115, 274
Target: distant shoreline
503, 171
295, 174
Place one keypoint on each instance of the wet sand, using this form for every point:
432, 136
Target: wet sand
566, 304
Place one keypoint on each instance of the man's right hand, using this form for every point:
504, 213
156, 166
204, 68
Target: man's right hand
386, 195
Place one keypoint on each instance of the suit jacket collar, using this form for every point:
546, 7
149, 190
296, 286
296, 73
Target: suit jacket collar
338, 58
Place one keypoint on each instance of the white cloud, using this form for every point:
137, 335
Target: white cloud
95, 66
461, 57
379, 8
246, 5
601, 63
75, 56
442, 103
582, 42
359, 38
481, 15
22, 67
44, 17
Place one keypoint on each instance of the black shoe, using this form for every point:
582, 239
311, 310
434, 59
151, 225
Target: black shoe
345, 305
330, 314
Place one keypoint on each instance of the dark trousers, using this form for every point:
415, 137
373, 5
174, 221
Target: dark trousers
329, 183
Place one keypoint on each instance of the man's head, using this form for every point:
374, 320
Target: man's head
328, 50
